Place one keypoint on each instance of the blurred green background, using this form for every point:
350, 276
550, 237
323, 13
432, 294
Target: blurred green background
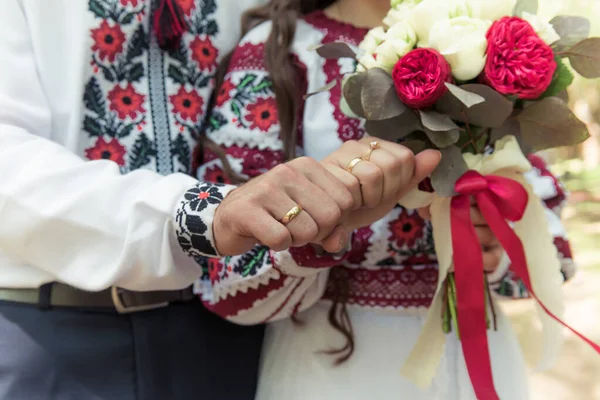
577, 374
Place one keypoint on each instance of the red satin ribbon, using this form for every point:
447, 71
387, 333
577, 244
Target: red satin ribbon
500, 200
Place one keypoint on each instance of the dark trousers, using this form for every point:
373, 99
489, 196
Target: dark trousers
181, 352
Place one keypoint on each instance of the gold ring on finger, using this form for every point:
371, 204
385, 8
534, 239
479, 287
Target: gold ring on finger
293, 213
374, 145
353, 163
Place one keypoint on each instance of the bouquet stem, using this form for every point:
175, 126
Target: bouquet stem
450, 311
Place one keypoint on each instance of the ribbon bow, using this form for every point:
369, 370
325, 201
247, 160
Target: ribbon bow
500, 200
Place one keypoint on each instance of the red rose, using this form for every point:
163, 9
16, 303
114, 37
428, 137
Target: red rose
518, 62
419, 77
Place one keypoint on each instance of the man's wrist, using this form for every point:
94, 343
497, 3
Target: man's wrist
195, 218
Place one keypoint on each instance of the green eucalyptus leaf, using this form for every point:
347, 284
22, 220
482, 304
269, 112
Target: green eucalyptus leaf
352, 93
585, 57
571, 30
469, 99
451, 168
530, 6
325, 88
394, 129
379, 97
491, 113
549, 123
335, 50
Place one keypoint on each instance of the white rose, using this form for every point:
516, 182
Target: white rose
492, 10
542, 27
373, 39
463, 44
427, 13
367, 61
390, 52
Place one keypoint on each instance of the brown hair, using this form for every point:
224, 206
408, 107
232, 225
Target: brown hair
284, 15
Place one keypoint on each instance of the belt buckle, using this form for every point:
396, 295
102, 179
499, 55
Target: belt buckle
123, 309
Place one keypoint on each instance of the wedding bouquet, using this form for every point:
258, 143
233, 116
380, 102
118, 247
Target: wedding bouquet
483, 81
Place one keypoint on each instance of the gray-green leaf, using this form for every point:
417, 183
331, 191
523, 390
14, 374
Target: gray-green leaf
571, 30
585, 57
379, 97
530, 6
469, 99
450, 169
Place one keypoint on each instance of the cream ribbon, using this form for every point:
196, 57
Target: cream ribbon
542, 261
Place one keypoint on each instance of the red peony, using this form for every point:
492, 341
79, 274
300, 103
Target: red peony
518, 62
420, 77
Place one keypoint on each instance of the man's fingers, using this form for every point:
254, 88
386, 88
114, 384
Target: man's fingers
425, 163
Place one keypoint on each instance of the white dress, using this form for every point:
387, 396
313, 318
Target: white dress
391, 267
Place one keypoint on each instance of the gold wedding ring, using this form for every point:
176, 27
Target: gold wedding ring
293, 213
353, 163
374, 145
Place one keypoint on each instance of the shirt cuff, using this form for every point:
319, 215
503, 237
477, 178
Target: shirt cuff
195, 216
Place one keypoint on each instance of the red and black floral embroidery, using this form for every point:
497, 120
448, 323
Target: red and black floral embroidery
148, 100
194, 229
204, 53
103, 150
407, 229
215, 174
251, 102
201, 196
126, 102
224, 94
188, 105
262, 114
108, 41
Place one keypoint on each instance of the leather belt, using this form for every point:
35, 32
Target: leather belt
119, 300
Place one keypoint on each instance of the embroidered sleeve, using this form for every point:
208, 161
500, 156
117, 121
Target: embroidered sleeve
261, 285
195, 218
552, 193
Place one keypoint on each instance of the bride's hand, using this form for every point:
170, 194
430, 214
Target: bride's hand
377, 173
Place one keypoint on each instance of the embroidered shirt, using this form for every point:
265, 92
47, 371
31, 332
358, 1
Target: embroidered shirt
391, 264
86, 79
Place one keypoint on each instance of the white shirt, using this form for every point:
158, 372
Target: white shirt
94, 224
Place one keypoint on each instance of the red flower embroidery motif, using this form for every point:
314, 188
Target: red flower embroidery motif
186, 6
407, 229
108, 41
132, 2
262, 114
214, 267
103, 150
204, 53
187, 104
216, 175
224, 93
126, 101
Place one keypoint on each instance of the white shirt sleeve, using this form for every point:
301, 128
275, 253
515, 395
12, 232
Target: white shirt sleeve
83, 222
